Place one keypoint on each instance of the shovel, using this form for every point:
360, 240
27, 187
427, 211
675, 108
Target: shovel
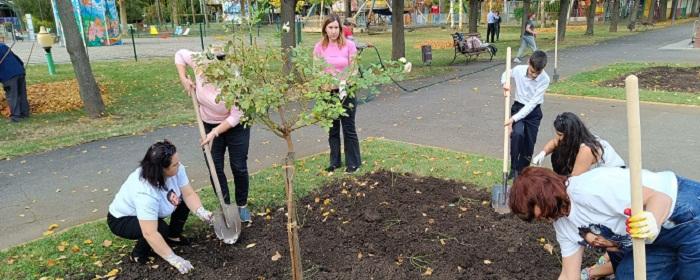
227, 222
555, 77
499, 193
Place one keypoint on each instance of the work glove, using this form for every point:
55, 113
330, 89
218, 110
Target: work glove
538, 160
586, 273
204, 215
182, 265
342, 93
642, 225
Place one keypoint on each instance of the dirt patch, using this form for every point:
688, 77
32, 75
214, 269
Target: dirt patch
379, 226
663, 78
53, 97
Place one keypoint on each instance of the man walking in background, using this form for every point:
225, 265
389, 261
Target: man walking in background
12, 77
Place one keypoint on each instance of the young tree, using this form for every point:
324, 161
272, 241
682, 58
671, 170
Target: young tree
122, 18
563, 18
473, 15
590, 18
526, 13
398, 40
255, 80
634, 10
89, 91
615, 15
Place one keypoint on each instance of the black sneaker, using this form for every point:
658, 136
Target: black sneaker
178, 241
332, 168
352, 169
140, 257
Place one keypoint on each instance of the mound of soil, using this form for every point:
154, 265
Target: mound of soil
53, 97
663, 78
379, 226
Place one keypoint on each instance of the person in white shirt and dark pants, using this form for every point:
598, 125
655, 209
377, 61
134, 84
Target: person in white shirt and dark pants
531, 83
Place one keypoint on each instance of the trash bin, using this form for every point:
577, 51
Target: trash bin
427, 54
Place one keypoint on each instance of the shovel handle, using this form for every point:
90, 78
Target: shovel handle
506, 115
635, 165
212, 170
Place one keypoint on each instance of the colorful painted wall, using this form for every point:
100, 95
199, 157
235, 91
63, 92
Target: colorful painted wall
98, 21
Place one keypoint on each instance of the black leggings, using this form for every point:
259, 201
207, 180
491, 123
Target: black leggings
237, 141
128, 227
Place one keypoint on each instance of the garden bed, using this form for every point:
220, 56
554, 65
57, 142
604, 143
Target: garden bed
379, 226
663, 78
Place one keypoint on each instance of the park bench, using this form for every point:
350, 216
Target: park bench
469, 45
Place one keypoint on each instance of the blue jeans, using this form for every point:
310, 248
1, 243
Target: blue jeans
675, 254
525, 42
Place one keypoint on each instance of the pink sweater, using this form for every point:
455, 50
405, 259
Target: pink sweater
338, 57
211, 111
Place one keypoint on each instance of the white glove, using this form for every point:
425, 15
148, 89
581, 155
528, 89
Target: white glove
342, 93
179, 263
539, 159
204, 215
643, 225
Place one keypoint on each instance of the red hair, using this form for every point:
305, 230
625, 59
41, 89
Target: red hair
540, 187
341, 39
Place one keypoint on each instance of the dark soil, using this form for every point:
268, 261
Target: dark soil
379, 226
663, 78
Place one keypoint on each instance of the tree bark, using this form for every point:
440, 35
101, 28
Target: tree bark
473, 15
590, 18
650, 16
288, 41
348, 8
614, 15
694, 11
674, 4
398, 40
89, 91
292, 225
563, 18
634, 10
175, 19
526, 12
663, 9
194, 20
122, 18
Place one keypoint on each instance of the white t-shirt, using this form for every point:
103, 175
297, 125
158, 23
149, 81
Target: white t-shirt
610, 156
137, 197
600, 196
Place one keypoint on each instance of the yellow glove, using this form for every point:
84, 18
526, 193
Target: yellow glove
642, 225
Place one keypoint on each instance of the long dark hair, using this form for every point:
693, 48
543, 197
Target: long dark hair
158, 157
574, 134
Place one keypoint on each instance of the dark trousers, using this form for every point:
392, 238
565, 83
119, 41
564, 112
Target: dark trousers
352, 144
497, 30
16, 94
490, 32
128, 227
523, 137
237, 141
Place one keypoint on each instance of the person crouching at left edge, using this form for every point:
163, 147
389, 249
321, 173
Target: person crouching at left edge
157, 189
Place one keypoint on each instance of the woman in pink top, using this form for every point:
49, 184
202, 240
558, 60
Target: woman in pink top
340, 54
223, 129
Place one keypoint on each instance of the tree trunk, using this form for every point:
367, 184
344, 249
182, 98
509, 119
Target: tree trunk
292, 226
473, 15
563, 18
650, 16
160, 18
194, 20
674, 4
348, 8
176, 20
398, 40
694, 11
89, 91
441, 7
122, 18
634, 10
288, 41
590, 18
663, 9
526, 12
614, 15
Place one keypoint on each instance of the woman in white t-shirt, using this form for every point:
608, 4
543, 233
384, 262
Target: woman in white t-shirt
157, 189
597, 201
575, 149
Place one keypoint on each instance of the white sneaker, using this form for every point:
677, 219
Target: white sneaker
517, 60
229, 241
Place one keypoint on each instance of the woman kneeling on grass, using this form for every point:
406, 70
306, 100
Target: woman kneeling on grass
596, 202
151, 193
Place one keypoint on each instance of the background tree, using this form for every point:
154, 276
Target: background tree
590, 18
615, 15
634, 10
473, 15
398, 40
663, 10
526, 13
89, 91
564, 18
694, 11
284, 100
652, 8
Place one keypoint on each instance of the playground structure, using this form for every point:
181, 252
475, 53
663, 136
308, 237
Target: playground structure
370, 15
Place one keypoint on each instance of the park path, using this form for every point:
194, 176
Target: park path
74, 185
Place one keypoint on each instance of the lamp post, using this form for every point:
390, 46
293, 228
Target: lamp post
45, 39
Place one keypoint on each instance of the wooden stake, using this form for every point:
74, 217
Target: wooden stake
635, 166
506, 116
556, 44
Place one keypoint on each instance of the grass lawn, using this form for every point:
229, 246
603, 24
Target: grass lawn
91, 249
588, 84
146, 94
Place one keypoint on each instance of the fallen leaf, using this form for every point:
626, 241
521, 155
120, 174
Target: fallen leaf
53, 226
487, 262
48, 232
276, 256
94, 210
75, 249
317, 199
326, 202
112, 273
61, 248
359, 255
97, 263
87, 242
154, 266
107, 243
251, 245
50, 262
428, 272
549, 248
10, 261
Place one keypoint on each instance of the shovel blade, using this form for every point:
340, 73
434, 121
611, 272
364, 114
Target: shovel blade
499, 199
227, 228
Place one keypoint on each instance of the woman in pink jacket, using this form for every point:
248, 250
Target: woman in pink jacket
224, 131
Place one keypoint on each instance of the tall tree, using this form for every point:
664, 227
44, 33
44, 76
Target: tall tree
526, 13
563, 18
288, 41
398, 40
473, 15
615, 15
89, 91
122, 17
652, 8
634, 11
348, 8
590, 18
663, 9
175, 19
694, 11
674, 5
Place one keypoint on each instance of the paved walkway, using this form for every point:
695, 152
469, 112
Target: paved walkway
74, 185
